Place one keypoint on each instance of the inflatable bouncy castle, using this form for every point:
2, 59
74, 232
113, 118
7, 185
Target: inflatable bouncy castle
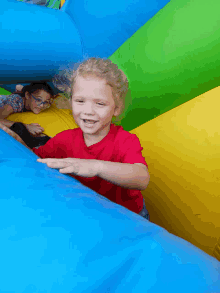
57, 235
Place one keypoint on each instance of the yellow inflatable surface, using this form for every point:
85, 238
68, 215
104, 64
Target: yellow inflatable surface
53, 120
182, 148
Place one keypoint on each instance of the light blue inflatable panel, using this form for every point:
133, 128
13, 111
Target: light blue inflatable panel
35, 41
58, 236
105, 25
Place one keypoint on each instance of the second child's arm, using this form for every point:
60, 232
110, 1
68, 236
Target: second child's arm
33, 128
13, 134
132, 176
4, 113
8, 110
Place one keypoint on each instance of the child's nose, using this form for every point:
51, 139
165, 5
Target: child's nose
41, 105
88, 108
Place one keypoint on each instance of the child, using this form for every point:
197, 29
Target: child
35, 97
99, 154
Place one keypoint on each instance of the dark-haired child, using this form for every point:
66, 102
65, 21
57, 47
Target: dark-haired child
35, 97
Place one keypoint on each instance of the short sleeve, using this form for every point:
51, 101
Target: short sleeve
15, 101
2, 100
54, 148
133, 151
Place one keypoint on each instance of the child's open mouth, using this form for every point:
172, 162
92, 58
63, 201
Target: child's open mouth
87, 121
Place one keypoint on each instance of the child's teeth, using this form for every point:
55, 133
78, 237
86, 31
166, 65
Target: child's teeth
90, 121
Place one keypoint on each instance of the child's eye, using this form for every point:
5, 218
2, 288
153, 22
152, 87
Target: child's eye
101, 104
79, 101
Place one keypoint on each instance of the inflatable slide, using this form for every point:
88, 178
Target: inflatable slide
57, 235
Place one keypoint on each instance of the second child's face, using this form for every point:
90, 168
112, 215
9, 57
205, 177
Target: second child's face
93, 105
36, 100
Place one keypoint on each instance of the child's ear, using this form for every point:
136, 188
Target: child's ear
117, 111
27, 95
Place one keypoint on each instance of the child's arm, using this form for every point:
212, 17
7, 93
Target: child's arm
132, 176
4, 113
33, 128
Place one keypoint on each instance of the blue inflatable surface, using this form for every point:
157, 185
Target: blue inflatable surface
105, 25
36, 41
57, 235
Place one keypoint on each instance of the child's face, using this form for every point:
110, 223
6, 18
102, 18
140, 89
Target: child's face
36, 99
93, 105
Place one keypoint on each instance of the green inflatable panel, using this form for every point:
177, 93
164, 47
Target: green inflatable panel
4, 92
173, 58
55, 4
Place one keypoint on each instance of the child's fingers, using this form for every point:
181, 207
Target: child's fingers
41, 128
46, 160
66, 170
55, 164
36, 124
50, 160
19, 88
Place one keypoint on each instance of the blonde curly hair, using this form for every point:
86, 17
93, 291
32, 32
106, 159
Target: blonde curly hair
101, 68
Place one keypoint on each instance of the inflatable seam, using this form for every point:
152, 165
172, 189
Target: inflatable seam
216, 252
72, 20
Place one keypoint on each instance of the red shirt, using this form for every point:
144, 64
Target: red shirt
118, 146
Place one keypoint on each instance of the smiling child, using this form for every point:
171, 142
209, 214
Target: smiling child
99, 154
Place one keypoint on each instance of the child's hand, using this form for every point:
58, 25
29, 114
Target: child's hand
19, 88
79, 167
34, 128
